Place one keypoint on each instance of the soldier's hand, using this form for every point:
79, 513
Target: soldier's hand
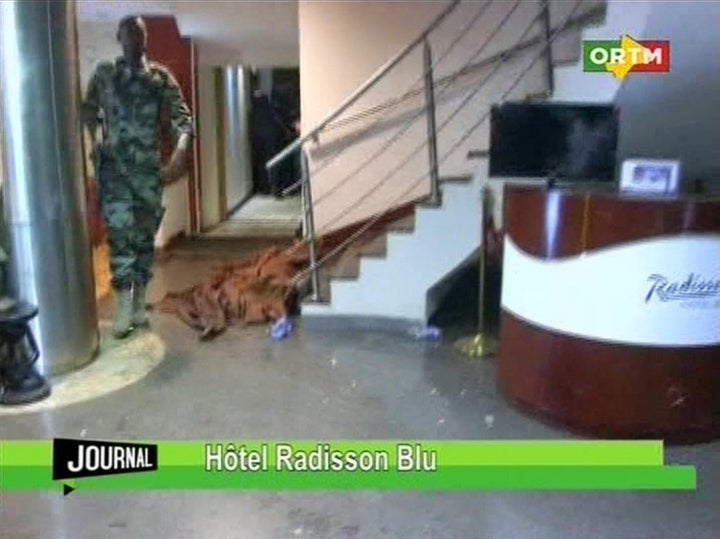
95, 156
166, 176
89, 116
172, 171
175, 168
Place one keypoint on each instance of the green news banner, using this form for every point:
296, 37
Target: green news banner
65, 465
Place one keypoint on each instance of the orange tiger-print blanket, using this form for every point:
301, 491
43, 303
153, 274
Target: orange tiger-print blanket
258, 290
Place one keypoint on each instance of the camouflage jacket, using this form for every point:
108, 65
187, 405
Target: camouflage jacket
130, 105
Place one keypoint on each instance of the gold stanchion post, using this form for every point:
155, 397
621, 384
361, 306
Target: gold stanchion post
481, 345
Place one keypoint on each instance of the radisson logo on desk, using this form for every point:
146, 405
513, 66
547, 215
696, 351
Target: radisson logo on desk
696, 290
73, 459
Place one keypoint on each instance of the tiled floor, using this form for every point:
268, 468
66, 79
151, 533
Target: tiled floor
327, 385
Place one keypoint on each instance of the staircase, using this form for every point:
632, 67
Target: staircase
387, 272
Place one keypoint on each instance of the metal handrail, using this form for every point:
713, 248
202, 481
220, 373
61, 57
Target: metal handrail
549, 63
390, 142
434, 162
367, 85
423, 78
579, 20
315, 264
441, 127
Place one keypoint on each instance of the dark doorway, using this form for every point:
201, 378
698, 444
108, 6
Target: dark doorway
275, 115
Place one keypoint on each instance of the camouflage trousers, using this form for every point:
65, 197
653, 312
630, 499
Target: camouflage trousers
131, 204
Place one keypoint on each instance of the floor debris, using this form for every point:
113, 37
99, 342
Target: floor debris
281, 329
426, 333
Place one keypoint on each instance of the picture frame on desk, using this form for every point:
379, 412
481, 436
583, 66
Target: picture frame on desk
650, 176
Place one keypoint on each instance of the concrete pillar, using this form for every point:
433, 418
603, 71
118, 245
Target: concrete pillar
44, 195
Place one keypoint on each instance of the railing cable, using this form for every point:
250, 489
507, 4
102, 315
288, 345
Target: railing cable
440, 128
391, 140
379, 215
410, 88
411, 122
362, 90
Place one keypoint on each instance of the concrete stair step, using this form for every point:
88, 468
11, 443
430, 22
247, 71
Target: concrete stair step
462, 179
406, 224
324, 285
375, 247
347, 265
459, 169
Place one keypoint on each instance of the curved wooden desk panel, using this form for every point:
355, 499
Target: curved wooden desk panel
583, 376
611, 219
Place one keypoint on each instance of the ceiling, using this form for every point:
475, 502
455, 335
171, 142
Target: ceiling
226, 31
114, 10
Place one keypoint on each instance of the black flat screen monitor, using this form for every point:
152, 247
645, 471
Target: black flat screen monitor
570, 142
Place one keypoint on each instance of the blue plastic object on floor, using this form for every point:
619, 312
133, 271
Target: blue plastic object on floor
427, 333
281, 329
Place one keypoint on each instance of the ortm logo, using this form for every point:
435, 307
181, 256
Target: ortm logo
626, 55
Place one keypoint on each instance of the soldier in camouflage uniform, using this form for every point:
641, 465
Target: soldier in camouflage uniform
129, 94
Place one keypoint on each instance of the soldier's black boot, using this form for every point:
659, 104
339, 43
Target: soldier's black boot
140, 316
123, 313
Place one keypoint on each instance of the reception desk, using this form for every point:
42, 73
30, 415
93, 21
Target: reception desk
610, 321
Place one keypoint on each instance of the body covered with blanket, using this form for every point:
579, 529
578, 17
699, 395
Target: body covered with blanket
258, 290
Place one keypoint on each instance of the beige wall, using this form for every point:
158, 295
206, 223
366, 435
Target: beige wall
211, 213
230, 32
96, 42
212, 54
343, 43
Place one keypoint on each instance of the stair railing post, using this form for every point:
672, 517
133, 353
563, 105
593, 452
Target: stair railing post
303, 203
431, 129
547, 29
309, 220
